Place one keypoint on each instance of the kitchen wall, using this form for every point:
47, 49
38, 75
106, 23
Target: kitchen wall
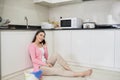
116, 12
1, 7
98, 11
16, 10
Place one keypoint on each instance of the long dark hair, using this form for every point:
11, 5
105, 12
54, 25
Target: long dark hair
41, 30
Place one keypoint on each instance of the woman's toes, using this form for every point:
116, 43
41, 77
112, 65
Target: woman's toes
89, 72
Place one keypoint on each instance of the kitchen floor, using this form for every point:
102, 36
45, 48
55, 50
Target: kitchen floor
98, 74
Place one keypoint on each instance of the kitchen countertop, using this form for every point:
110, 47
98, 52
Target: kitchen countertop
37, 27
61, 29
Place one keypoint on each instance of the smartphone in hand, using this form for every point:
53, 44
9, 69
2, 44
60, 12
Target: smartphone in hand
44, 42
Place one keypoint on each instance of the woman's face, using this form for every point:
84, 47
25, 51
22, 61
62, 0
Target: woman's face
40, 37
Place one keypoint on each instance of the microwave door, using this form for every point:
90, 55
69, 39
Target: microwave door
65, 23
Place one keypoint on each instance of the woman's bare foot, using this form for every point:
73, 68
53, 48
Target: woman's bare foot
87, 73
83, 74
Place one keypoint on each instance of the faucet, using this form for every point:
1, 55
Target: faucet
26, 19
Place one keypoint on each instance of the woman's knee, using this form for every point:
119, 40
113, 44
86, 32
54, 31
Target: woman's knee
57, 54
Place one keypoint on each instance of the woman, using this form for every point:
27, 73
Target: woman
39, 55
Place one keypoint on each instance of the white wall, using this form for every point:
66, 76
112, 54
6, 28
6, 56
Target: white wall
1, 7
16, 10
115, 12
97, 11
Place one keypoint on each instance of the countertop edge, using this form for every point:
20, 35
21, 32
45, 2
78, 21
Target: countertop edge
63, 29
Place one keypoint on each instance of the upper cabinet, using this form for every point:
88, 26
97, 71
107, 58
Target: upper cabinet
52, 3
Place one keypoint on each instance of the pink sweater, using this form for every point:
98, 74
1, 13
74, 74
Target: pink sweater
36, 56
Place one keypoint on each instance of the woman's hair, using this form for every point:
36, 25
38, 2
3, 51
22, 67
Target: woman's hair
39, 31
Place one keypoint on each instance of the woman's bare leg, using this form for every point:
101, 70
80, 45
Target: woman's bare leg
56, 57
84, 73
48, 71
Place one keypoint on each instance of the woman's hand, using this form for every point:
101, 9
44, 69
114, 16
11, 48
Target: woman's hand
49, 65
45, 45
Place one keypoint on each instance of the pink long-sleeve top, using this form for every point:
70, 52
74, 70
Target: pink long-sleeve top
36, 56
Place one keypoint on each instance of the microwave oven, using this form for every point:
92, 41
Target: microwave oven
70, 23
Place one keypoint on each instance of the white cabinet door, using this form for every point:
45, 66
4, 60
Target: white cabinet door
81, 46
62, 43
102, 48
14, 51
49, 41
94, 47
117, 48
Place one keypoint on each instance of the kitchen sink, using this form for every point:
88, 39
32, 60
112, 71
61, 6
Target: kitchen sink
12, 26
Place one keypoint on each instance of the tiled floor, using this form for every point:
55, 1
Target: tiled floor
98, 74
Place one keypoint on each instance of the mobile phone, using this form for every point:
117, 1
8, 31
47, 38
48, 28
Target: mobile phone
43, 41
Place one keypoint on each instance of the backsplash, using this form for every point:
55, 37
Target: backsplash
15, 11
96, 11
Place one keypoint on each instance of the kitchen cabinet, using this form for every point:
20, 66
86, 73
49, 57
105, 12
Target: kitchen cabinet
51, 3
87, 47
49, 41
62, 43
94, 47
102, 48
14, 49
81, 46
117, 48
